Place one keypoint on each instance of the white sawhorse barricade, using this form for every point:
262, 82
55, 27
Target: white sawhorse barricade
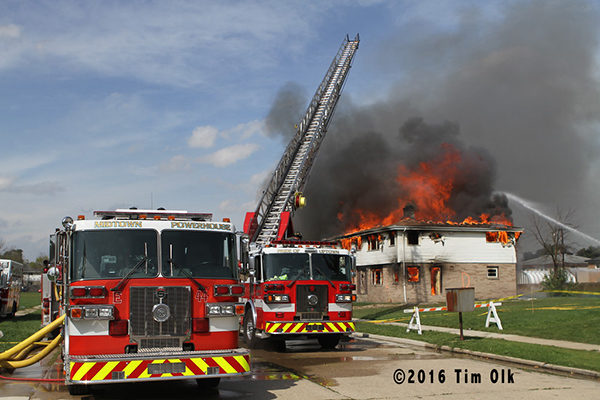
415, 321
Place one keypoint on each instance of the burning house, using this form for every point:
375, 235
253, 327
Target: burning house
414, 261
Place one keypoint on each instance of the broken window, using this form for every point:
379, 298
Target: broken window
412, 237
413, 273
436, 280
392, 238
396, 270
377, 276
492, 272
374, 242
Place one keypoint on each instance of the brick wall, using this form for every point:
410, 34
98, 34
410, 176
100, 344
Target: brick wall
453, 275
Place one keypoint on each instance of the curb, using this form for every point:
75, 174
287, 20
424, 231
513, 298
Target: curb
529, 363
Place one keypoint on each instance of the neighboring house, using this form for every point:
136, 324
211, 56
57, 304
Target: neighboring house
414, 262
579, 269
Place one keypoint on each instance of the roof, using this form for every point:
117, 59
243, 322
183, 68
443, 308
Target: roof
413, 225
547, 260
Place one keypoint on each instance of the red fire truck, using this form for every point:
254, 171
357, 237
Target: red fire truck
148, 295
11, 281
298, 287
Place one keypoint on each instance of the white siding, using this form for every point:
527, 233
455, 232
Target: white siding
457, 247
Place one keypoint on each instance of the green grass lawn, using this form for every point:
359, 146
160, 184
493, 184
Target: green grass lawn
549, 354
18, 328
29, 300
565, 318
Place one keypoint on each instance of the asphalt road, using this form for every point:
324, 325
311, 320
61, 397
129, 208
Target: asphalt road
359, 369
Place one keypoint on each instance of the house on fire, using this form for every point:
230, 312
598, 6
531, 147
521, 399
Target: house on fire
414, 261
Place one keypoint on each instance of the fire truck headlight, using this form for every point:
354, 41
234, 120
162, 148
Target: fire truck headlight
228, 310
213, 309
91, 313
343, 298
105, 312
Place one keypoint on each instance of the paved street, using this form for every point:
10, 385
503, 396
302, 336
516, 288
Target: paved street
359, 369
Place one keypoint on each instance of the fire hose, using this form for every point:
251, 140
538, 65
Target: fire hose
15, 357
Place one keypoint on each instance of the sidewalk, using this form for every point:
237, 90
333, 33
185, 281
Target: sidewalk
506, 336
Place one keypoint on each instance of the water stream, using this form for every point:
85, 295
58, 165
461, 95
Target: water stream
528, 205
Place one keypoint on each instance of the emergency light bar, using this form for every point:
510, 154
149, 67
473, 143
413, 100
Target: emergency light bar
122, 213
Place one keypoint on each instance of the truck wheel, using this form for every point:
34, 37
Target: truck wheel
207, 383
78, 390
250, 330
13, 310
329, 341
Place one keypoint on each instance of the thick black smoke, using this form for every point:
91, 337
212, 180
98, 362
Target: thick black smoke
521, 90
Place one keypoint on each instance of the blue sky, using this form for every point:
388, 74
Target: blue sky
107, 104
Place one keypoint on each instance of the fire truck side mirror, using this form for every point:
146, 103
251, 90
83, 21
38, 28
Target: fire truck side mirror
53, 274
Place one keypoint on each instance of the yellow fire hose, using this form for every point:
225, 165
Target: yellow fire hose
32, 360
13, 357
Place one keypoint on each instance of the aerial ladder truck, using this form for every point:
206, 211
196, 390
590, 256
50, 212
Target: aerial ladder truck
294, 287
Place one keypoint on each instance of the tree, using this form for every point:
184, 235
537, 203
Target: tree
552, 237
13, 254
590, 252
38, 264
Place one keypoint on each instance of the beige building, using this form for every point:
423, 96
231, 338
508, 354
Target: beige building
415, 262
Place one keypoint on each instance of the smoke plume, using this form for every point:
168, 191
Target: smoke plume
515, 95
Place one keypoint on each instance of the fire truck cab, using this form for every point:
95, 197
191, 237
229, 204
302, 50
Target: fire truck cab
299, 290
148, 295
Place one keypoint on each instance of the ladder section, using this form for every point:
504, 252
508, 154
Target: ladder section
292, 171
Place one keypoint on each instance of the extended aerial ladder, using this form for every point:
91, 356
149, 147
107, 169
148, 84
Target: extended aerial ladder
289, 177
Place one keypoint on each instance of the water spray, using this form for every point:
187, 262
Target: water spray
528, 205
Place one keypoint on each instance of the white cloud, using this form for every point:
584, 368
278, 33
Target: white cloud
192, 43
229, 155
176, 163
10, 31
246, 130
203, 136
5, 182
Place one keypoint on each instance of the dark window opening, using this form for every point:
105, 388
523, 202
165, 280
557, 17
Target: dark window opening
412, 237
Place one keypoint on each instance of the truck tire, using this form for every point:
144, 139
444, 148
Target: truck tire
329, 341
78, 390
13, 311
250, 330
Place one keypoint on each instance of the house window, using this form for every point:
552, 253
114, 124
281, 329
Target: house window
413, 273
412, 237
436, 280
392, 238
377, 276
492, 272
374, 242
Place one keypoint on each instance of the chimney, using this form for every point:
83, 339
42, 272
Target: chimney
409, 211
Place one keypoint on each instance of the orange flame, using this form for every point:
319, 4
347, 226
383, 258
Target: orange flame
428, 188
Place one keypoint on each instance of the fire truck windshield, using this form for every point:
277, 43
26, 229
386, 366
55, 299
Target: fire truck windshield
295, 266
335, 267
198, 254
286, 266
111, 254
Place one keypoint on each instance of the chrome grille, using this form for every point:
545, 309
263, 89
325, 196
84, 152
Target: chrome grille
308, 315
145, 329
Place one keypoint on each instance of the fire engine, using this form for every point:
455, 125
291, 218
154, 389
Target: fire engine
147, 295
298, 288
11, 281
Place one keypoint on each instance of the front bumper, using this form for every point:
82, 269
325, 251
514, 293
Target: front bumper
308, 327
112, 368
